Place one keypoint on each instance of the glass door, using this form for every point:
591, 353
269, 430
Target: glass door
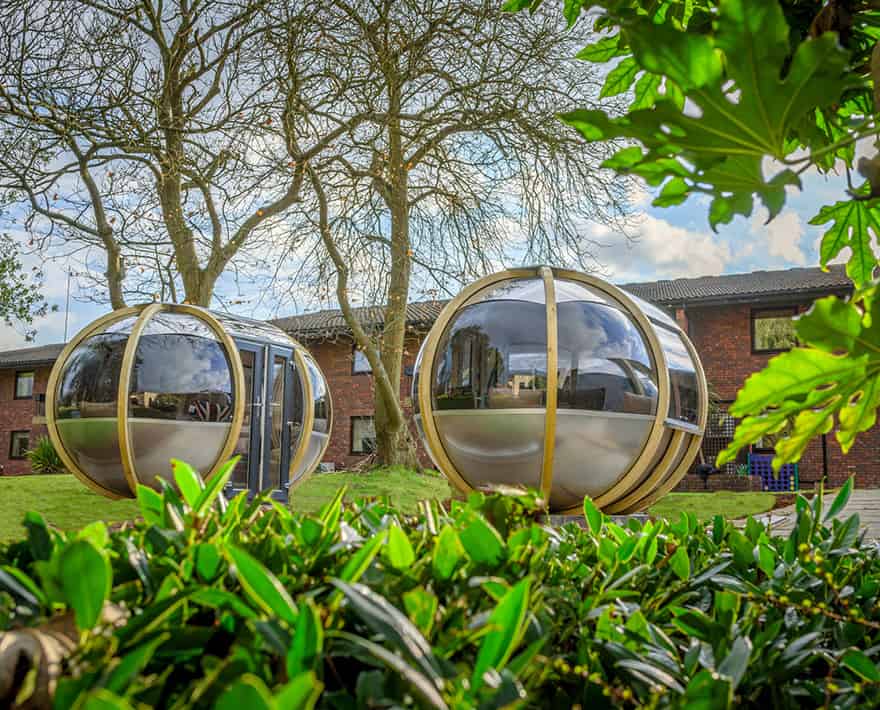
246, 476
277, 434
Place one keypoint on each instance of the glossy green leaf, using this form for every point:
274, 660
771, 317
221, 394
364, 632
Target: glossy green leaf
150, 504
861, 665
399, 551
448, 552
262, 586
602, 50
507, 625
86, 578
214, 487
189, 482
841, 499
855, 224
361, 560
421, 607
736, 662
247, 692
593, 516
308, 641
481, 541
680, 563
620, 78
300, 693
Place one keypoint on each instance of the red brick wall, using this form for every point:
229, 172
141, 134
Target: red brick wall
353, 394
722, 336
18, 415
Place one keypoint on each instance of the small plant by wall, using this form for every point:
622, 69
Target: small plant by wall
44, 459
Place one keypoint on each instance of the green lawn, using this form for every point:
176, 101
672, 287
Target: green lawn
67, 504
707, 505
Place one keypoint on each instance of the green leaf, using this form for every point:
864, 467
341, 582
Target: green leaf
421, 685
308, 641
386, 619
650, 674
448, 552
854, 224
188, 481
301, 693
86, 579
680, 563
708, 690
605, 49
507, 625
861, 665
766, 559
247, 692
620, 78
399, 551
481, 541
841, 499
262, 586
736, 661
207, 559
150, 504
421, 607
361, 560
593, 515
830, 325
674, 192
133, 663
214, 487
720, 145
103, 699
646, 92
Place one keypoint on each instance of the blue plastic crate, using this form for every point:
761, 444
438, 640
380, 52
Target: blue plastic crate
762, 465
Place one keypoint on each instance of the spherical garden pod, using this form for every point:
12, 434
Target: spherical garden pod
559, 381
146, 384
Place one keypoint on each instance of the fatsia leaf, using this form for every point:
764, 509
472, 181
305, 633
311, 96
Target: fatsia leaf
854, 224
620, 78
830, 325
719, 146
601, 51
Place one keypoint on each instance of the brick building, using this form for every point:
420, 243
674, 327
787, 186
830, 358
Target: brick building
737, 322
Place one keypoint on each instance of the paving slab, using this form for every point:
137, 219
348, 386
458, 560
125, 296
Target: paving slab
865, 502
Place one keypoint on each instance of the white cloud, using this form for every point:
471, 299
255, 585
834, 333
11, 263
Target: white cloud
661, 250
782, 235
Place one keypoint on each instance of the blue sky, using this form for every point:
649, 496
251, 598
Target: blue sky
668, 243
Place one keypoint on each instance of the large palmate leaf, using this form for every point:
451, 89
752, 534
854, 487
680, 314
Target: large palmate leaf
807, 391
718, 144
854, 224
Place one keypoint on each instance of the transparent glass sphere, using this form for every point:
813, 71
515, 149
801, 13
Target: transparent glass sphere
488, 391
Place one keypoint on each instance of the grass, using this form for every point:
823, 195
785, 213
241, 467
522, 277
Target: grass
404, 487
66, 503
707, 505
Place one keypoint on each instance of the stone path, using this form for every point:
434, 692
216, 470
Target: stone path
865, 502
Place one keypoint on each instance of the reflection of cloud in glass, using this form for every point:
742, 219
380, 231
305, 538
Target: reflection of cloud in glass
180, 363
600, 331
677, 357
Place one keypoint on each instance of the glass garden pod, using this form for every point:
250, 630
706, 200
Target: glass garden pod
146, 384
559, 381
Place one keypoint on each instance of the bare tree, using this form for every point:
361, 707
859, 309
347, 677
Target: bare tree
446, 157
131, 131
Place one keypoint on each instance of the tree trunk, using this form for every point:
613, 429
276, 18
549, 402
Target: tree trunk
394, 444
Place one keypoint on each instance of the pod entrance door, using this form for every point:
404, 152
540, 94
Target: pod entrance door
264, 443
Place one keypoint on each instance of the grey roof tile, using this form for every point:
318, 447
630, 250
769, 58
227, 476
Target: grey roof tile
30, 357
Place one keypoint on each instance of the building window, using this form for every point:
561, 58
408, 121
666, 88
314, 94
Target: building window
360, 365
24, 385
773, 330
363, 435
19, 443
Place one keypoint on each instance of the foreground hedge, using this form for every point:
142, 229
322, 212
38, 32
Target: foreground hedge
247, 605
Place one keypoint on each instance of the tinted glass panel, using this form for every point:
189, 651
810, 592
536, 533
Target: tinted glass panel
243, 447
493, 355
85, 405
684, 397
654, 312
180, 396
252, 329
277, 373
319, 397
604, 364
531, 290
